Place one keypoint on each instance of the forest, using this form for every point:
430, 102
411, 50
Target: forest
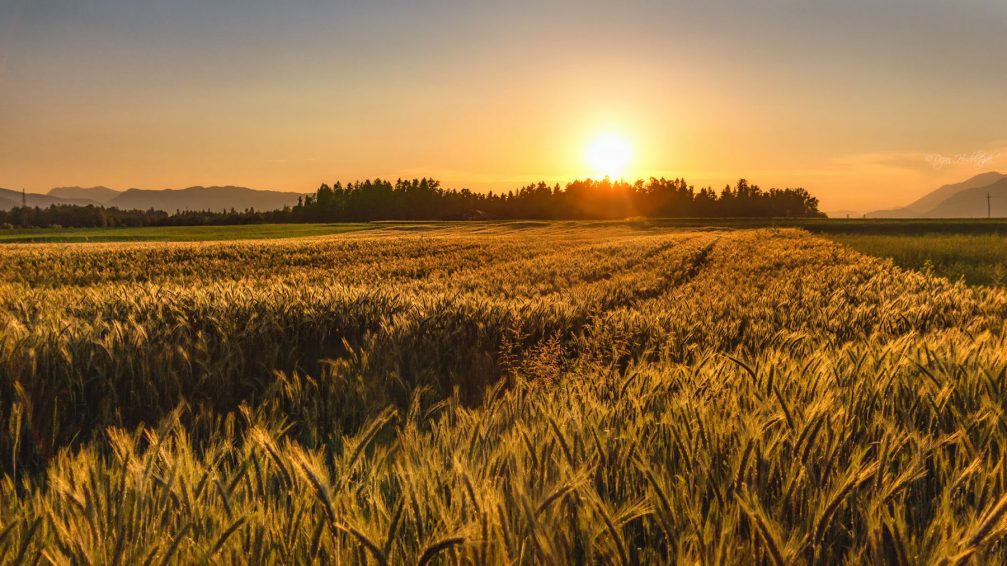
426, 199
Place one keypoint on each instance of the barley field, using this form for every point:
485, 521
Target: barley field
523, 393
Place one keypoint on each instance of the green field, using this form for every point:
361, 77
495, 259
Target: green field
498, 393
175, 233
977, 259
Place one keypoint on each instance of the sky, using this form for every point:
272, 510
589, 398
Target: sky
866, 103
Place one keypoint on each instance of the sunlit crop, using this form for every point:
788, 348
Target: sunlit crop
528, 393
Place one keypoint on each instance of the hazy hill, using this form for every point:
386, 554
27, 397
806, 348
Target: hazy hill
96, 194
168, 200
203, 198
10, 199
932, 200
971, 203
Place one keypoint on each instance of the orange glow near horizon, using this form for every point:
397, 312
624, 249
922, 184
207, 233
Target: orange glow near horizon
493, 96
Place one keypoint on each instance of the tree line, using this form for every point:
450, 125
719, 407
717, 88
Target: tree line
426, 199
94, 216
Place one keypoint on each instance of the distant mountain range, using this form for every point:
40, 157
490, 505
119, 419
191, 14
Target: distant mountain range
203, 198
100, 195
11, 198
169, 200
960, 200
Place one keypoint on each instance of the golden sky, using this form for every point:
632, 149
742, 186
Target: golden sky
866, 104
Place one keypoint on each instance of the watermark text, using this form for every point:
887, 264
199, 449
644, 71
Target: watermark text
977, 159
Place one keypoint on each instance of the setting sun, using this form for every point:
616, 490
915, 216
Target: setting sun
609, 155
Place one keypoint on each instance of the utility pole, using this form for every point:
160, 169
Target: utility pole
24, 198
989, 209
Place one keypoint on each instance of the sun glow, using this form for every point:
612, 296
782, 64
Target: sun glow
609, 155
